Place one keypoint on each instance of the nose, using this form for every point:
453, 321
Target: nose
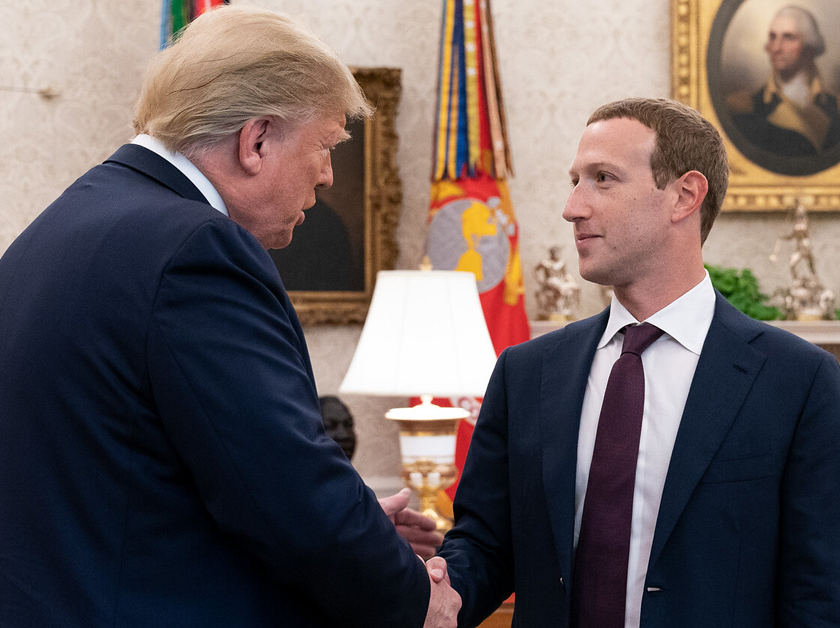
575, 206
325, 178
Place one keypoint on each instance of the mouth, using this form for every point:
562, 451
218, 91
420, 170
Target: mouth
584, 241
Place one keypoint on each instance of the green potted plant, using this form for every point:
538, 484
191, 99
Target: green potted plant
741, 289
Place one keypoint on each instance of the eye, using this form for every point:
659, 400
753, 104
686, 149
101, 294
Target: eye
601, 177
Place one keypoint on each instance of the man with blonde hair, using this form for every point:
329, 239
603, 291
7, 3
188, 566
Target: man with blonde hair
668, 462
162, 456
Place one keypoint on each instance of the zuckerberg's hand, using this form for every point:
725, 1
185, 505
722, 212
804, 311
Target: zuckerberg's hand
414, 527
444, 601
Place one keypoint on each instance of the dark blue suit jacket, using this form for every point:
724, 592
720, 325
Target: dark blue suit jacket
162, 456
748, 532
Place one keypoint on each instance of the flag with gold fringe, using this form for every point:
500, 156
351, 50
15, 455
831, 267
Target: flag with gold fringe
176, 14
472, 226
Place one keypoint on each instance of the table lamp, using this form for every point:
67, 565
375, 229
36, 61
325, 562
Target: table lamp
425, 336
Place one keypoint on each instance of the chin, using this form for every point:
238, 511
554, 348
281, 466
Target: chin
280, 241
587, 272
595, 275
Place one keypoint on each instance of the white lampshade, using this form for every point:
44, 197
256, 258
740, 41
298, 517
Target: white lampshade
425, 334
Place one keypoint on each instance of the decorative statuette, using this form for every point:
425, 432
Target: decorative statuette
806, 299
558, 293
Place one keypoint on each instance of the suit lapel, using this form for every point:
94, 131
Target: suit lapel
154, 166
725, 373
565, 370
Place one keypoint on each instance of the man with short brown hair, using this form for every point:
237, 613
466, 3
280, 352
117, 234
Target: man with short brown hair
685, 141
668, 462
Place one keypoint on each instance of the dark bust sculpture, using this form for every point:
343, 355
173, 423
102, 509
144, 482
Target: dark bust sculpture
339, 424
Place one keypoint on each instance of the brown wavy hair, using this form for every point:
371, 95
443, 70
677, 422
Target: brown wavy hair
685, 141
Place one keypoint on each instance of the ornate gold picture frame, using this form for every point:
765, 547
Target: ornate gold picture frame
719, 65
330, 267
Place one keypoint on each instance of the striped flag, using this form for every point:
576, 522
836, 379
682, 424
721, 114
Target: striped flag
176, 14
472, 225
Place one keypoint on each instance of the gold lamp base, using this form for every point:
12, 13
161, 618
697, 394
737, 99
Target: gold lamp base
427, 478
427, 445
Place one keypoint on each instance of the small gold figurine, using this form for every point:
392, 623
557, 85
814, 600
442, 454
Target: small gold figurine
806, 299
558, 293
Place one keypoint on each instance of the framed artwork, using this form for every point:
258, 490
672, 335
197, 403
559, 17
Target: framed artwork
349, 235
768, 79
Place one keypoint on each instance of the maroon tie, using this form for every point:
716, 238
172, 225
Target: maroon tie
599, 588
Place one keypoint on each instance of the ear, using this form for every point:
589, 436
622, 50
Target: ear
691, 191
251, 138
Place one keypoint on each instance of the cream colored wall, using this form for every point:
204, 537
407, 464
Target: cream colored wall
559, 61
94, 52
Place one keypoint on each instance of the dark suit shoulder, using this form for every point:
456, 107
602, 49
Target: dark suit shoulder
572, 332
152, 165
780, 341
765, 338
133, 207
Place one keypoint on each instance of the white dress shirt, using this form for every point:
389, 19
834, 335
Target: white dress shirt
669, 365
186, 167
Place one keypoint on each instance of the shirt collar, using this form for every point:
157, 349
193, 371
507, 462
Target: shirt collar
186, 167
772, 89
686, 320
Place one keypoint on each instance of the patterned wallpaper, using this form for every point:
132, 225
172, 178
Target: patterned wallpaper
93, 52
558, 60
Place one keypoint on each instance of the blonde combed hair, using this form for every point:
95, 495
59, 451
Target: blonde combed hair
234, 64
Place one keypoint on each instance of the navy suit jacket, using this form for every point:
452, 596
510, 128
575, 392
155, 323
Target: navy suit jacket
162, 457
748, 532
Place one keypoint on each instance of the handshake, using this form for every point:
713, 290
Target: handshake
444, 601
419, 531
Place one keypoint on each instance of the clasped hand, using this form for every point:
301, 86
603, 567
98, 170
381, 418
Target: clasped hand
413, 526
419, 531
444, 601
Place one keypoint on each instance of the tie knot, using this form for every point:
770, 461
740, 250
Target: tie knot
637, 338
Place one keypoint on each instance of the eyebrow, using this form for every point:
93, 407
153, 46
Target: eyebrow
787, 30
598, 165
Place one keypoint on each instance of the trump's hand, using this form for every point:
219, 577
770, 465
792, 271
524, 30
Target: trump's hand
414, 527
444, 601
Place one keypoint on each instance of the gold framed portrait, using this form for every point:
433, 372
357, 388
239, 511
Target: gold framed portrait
330, 267
774, 102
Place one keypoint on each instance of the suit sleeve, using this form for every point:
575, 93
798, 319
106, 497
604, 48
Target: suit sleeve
233, 386
478, 550
809, 547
